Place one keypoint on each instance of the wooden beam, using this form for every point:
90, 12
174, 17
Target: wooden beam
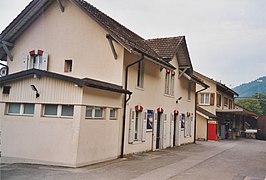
182, 72
8, 43
60, 5
7, 51
110, 40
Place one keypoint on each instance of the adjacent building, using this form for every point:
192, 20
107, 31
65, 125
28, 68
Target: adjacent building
81, 88
217, 112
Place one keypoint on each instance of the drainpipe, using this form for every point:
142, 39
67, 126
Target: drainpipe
125, 104
195, 123
7, 68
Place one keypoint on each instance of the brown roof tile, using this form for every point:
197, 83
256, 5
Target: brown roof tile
165, 47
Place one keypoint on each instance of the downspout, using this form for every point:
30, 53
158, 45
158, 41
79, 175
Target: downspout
7, 68
195, 123
125, 104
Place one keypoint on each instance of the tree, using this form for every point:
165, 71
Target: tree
262, 100
251, 104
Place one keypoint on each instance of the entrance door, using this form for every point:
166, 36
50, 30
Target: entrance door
174, 138
158, 131
212, 131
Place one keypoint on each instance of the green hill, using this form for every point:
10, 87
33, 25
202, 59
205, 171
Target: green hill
251, 88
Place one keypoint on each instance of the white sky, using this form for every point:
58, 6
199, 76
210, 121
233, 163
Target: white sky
226, 38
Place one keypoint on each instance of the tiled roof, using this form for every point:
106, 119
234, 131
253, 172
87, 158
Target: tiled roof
165, 47
130, 40
85, 82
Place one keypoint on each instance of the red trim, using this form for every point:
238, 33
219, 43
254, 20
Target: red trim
40, 52
176, 112
188, 113
173, 73
32, 52
138, 108
167, 71
160, 110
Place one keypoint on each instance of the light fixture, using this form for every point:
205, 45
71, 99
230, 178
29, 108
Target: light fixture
35, 89
178, 99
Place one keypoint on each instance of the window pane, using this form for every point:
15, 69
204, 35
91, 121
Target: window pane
113, 113
67, 110
28, 109
207, 100
14, 108
50, 109
202, 98
98, 112
89, 112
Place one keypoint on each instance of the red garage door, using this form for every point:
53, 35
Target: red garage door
212, 131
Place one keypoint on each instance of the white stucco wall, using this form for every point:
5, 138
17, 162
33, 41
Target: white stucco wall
70, 35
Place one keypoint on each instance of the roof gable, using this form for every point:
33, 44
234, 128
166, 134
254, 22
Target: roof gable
128, 39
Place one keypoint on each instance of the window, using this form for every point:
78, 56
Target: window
137, 126
113, 113
50, 110
68, 66
58, 110
169, 83
219, 100
188, 126
140, 78
67, 110
205, 99
94, 112
183, 121
28, 109
37, 59
225, 101
20, 109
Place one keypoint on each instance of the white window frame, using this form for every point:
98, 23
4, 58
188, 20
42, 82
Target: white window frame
206, 101
59, 111
21, 109
115, 115
93, 112
169, 86
140, 75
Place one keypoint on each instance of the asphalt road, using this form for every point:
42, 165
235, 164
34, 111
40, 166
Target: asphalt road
237, 160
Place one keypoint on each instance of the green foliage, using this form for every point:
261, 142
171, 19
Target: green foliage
256, 104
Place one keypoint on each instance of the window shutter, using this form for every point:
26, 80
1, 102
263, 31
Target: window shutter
164, 129
178, 135
25, 61
191, 126
44, 63
171, 129
154, 130
131, 126
185, 128
212, 99
144, 126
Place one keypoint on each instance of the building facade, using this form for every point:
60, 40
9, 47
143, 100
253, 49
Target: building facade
81, 88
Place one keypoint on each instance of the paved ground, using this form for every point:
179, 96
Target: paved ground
244, 159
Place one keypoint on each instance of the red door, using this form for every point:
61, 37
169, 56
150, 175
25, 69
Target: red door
212, 131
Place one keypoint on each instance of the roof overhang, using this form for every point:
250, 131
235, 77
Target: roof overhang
236, 111
85, 82
193, 78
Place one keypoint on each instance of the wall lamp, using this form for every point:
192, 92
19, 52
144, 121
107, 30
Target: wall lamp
178, 100
35, 89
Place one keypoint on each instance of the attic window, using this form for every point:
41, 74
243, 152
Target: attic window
68, 66
37, 59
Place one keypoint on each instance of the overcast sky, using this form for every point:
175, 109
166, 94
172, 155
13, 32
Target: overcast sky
226, 38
